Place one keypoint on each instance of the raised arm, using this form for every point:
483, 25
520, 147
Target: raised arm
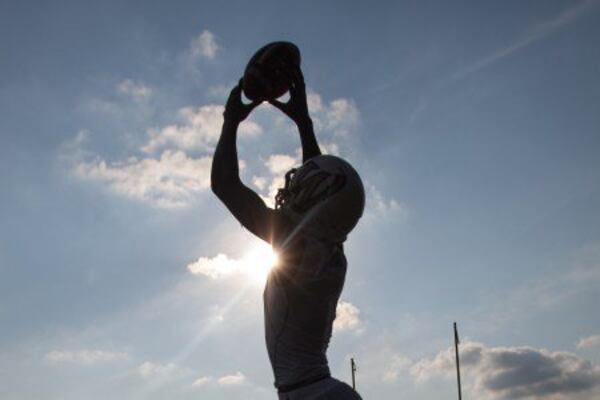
245, 205
310, 147
297, 109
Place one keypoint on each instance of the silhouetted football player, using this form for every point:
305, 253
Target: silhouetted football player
320, 204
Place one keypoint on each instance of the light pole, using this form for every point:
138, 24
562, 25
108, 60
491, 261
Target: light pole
456, 342
353, 368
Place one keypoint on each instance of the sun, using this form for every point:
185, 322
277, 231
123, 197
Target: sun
258, 262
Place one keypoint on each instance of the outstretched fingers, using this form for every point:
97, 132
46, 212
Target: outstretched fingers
236, 93
299, 89
235, 107
298, 76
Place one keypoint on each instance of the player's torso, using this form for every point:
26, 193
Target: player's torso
300, 299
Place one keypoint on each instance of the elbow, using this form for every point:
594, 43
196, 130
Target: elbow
216, 180
216, 186
221, 187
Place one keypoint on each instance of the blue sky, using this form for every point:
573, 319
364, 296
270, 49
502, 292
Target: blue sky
473, 124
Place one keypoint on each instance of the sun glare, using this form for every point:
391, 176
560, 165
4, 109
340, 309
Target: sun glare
259, 261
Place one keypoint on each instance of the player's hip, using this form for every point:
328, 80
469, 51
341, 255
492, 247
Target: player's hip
325, 389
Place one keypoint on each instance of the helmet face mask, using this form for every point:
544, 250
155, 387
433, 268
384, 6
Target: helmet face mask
307, 186
325, 195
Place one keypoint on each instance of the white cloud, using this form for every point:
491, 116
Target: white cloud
203, 380
137, 90
339, 117
235, 379
226, 380
159, 375
330, 148
314, 102
170, 181
173, 178
79, 140
342, 113
589, 343
347, 318
200, 130
256, 264
279, 164
204, 45
160, 372
260, 182
397, 365
216, 267
277, 182
84, 357
378, 360
443, 362
73, 150
514, 372
379, 206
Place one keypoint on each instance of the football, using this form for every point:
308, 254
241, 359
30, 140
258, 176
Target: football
266, 77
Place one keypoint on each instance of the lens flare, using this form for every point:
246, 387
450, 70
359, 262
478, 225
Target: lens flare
258, 262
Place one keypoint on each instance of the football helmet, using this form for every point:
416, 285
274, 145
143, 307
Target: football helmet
324, 198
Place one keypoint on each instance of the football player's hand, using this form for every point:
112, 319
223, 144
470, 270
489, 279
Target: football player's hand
296, 108
235, 109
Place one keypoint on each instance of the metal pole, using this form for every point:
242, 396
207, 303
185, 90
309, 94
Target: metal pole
353, 368
456, 342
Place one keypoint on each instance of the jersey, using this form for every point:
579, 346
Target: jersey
300, 300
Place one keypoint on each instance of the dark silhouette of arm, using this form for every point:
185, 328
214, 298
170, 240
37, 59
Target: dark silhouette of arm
310, 147
245, 205
297, 109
